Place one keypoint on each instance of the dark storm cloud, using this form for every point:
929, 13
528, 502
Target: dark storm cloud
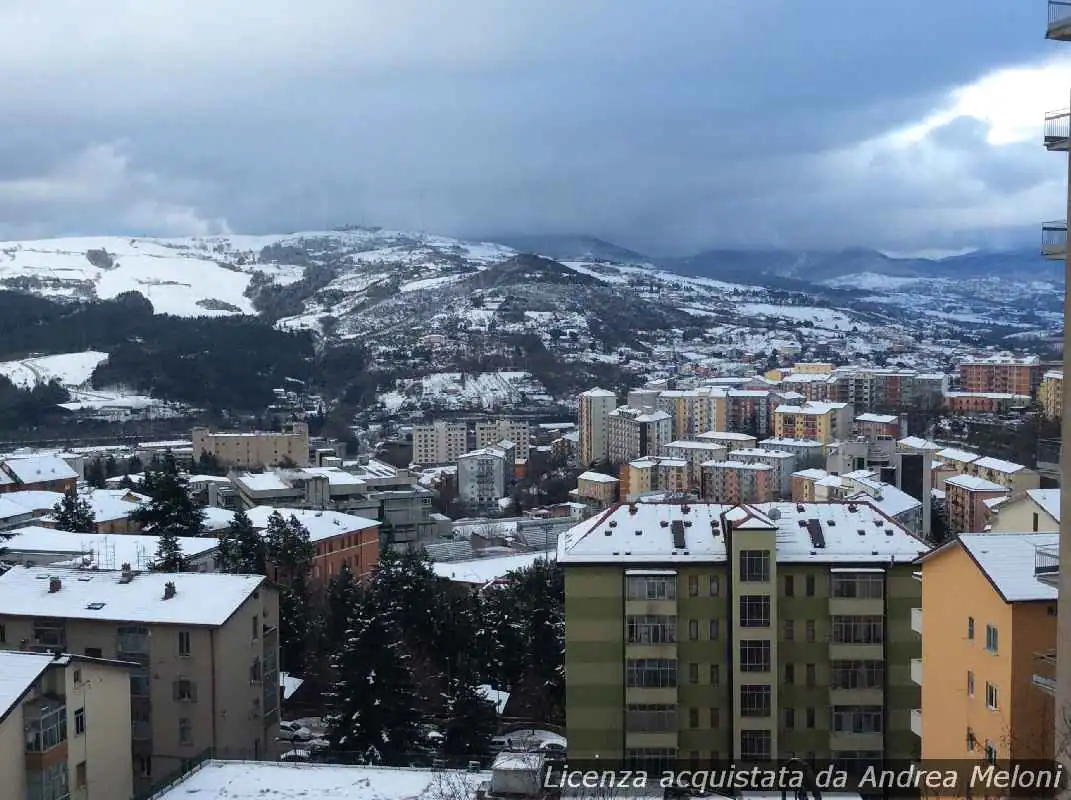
665, 126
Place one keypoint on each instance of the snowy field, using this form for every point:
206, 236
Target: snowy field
69, 369
486, 390
827, 318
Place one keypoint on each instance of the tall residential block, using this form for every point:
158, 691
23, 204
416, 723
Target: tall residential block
823, 422
633, 433
1051, 394
205, 648
703, 631
440, 442
737, 482
1019, 376
488, 434
595, 407
255, 449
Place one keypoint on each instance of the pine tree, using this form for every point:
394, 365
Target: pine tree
169, 557
343, 593
96, 474
374, 704
471, 721
289, 552
241, 548
170, 510
74, 514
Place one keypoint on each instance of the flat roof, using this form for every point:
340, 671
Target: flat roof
596, 477
201, 598
35, 469
974, 484
998, 465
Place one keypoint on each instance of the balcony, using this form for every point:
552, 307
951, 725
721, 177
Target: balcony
1047, 564
1044, 676
916, 620
1054, 239
1058, 27
1058, 130
916, 671
916, 722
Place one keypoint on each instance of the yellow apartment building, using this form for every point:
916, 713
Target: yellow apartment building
1037, 511
597, 487
64, 727
1014, 477
255, 449
701, 632
823, 422
1051, 394
988, 628
651, 475
812, 368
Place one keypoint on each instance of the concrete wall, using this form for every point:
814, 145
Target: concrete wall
103, 691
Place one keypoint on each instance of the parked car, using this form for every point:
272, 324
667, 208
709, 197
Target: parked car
293, 732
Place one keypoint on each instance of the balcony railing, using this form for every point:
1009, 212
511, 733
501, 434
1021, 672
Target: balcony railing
1054, 239
916, 721
1059, 23
1047, 564
916, 671
1045, 671
916, 620
1058, 129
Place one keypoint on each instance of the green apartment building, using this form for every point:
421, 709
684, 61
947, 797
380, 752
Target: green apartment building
745, 633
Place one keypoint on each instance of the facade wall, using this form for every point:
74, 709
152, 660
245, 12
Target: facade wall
261, 449
592, 424
13, 753
439, 443
602, 492
1024, 516
104, 693
358, 550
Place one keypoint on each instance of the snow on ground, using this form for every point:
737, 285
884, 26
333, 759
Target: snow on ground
870, 281
452, 389
485, 570
69, 369
431, 283
821, 317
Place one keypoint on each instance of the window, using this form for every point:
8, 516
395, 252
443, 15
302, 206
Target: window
991, 696
790, 586
77, 677
991, 638
755, 745
715, 586
755, 700
133, 639
970, 683
790, 718
856, 674
185, 731
693, 586
651, 759
80, 775
755, 655
971, 741
693, 717
790, 674
862, 586
715, 674
140, 683
1035, 522
990, 753
143, 766
857, 719
693, 673
693, 630
48, 730
858, 629
184, 644
810, 585
754, 566
651, 718
185, 690
810, 719
810, 630
79, 721
254, 672
651, 587
3, 633
713, 630
755, 611
811, 676
50, 633
970, 627
651, 673
788, 629
651, 629
50, 783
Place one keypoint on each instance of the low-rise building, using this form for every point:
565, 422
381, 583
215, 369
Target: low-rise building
809, 452
984, 402
34, 546
205, 646
695, 453
290, 447
47, 473
736, 482
656, 474
730, 440
965, 502
782, 462
804, 484
597, 487
1016, 478
65, 727
1036, 510
874, 426
337, 538
18, 509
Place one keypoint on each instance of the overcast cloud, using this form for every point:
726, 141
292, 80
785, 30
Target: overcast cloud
668, 127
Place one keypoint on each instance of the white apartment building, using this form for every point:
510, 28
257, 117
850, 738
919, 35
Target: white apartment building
482, 476
595, 407
636, 433
206, 646
440, 442
488, 434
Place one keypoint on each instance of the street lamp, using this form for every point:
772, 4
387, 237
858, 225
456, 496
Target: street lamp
805, 792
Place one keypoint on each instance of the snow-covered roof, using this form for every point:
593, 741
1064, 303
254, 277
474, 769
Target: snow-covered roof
1007, 559
761, 452
320, 524
262, 481
813, 474
918, 443
17, 504
261, 780
597, 393
109, 551
289, 684
776, 442
893, 501
973, 483
497, 697
998, 465
810, 409
596, 477
726, 436
35, 469
201, 598
955, 454
650, 462
691, 445
1048, 499
108, 505
644, 534
484, 570
334, 475
18, 674
885, 419
732, 464
216, 519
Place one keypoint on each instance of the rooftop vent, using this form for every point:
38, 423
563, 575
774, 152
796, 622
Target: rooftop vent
678, 534
800, 508
818, 538
873, 552
803, 523
639, 532
54, 584
774, 514
861, 532
607, 533
127, 574
831, 523
684, 508
169, 590
685, 552
687, 523
95, 606
613, 523
632, 508
888, 531
852, 508
664, 523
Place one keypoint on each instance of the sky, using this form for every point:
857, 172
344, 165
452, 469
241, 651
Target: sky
670, 127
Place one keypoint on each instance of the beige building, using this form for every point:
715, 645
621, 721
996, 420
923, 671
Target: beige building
633, 433
440, 442
205, 648
595, 407
488, 434
652, 475
1051, 394
1014, 477
823, 422
1034, 511
599, 488
695, 453
255, 449
730, 440
737, 482
64, 727
705, 632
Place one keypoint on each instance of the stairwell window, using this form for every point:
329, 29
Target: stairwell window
754, 566
991, 639
970, 683
970, 628
184, 644
991, 696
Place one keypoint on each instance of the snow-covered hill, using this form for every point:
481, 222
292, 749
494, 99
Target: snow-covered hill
68, 369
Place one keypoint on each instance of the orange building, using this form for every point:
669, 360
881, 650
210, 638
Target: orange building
336, 538
737, 482
984, 402
988, 627
1007, 375
36, 474
965, 502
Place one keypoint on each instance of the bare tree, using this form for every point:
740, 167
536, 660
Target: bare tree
453, 785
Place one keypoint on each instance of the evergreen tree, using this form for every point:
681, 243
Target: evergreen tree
241, 548
289, 553
96, 475
111, 467
343, 593
471, 721
374, 706
170, 510
74, 514
169, 557
134, 465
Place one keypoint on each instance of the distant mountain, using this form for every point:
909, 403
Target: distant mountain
567, 247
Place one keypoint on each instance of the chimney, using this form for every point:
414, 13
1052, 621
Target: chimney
127, 574
632, 508
54, 585
169, 590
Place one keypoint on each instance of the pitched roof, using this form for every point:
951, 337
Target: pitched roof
35, 469
320, 524
18, 674
1048, 499
1007, 560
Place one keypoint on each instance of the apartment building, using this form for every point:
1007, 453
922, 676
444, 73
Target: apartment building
645, 398
655, 474
1014, 477
256, 449
878, 426
595, 407
597, 487
695, 453
488, 434
440, 442
692, 411
959, 460
736, 482
815, 387
36, 474
35, 546
337, 539
805, 484
988, 632
984, 402
750, 410
808, 452
1001, 374
65, 727
730, 440
1036, 510
967, 502
205, 646
824, 422
705, 631
1051, 394
782, 463
482, 477
633, 433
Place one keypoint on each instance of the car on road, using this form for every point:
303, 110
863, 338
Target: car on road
293, 732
